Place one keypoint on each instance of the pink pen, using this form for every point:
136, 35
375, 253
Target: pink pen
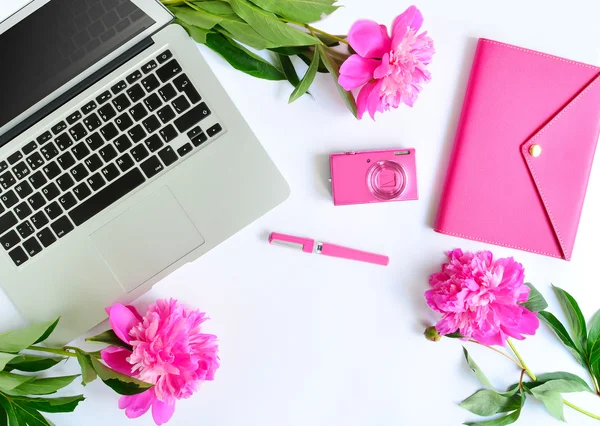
310, 246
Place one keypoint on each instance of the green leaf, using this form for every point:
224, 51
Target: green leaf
290, 51
334, 69
475, 369
559, 375
197, 34
594, 328
42, 386
5, 359
536, 301
270, 27
489, 402
33, 363
110, 338
10, 411
455, 335
307, 58
288, 70
9, 381
244, 33
553, 402
88, 373
561, 332
307, 80
219, 8
574, 317
197, 18
509, 419
550, 392
120, 383
30, 415
3, 416
301, 11
242, 59
52, 405
16, 341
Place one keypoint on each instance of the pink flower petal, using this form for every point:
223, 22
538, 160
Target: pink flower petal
363, 96
356, 71
383, 69
162, 412
369, 39
122, 320
136, 405
411, 18
374, 100
116, 358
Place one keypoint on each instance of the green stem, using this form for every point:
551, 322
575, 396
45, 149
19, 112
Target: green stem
518, 355
498, 351
51, 351
581, 410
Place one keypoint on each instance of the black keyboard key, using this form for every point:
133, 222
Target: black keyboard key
32, 247
138, 112
153, 143
121, 102
113, 192
25, 229
123, 122
20, 170
199, 139
164, 56
110, 172
192, 117
150, 83
133, 77
66, 161
13, 158
7, 180
44, 137
168, 71
50, 191
9, 199
80, 151
96, 181
153, 102
78, 131
136, 93
103, 97
125, 162
109, 131
212, 131
18, 256
51, 170
167, 155
65, 182
185, 149
59, 127
108, 153
183, 84
149, 67
79, 172
3, 166
10, 240
23, 189
139, 152
74, 117
37, 179
168, 133
151, 124
63, 141
92, 122
119, 87
167, 92
94, 141
36, 201
166, 114
123, 143
46, 237
194, 132
67, 201
53, 210
89, 107
107, 112
151, 167
181, 104
35, 161
137, 133
23, 210
93, 162
62, 227
7, 221
29, 148
49, 151
82, 191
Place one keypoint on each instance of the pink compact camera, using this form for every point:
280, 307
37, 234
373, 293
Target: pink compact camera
373, 176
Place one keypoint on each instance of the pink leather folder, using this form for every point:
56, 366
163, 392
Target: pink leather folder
523, 151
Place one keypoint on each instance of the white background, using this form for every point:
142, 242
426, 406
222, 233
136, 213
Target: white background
308, 340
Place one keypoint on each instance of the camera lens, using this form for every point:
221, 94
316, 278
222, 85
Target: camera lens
386, 180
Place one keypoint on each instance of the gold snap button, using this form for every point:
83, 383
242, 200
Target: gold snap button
535, 150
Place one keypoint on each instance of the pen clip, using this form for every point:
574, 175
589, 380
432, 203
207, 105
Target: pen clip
305, 244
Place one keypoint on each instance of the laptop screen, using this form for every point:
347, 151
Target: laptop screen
56, 43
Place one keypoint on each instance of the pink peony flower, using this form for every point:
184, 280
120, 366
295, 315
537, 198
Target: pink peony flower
480, 298
392, 69
169, 351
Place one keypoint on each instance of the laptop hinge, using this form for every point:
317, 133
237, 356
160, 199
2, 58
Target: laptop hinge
39, 115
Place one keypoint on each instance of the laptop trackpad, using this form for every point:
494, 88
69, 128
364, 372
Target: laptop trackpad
146, 239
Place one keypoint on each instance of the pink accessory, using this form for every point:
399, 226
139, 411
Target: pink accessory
310, 246
373, 176
523, 152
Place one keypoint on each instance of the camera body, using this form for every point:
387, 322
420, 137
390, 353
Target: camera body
360, 177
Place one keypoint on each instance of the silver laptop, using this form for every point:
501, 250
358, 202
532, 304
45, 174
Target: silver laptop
121, 159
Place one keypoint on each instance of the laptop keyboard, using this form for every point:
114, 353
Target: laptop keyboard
99, 153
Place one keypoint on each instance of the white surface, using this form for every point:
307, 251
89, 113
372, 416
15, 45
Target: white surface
307, 340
